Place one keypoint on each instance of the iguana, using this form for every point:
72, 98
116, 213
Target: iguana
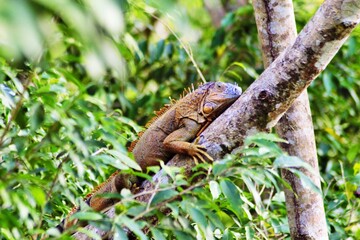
169, 133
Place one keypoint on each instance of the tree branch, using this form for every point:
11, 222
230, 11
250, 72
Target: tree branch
305, 209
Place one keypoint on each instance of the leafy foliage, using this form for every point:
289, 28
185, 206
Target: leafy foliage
75, 82
239, 198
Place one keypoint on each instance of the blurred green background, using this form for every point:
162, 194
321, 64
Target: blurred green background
79, 78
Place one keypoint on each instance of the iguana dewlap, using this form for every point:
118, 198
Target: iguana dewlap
170, 132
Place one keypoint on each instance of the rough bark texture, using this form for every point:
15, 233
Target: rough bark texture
268, 98
277, 30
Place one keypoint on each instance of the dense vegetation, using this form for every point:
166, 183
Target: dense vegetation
76, 85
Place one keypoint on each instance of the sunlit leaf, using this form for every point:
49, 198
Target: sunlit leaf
39, 195
214, 189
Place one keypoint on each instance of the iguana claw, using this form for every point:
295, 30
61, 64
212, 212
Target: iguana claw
199, 152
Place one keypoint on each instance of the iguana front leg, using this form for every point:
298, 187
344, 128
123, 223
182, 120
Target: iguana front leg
178, 141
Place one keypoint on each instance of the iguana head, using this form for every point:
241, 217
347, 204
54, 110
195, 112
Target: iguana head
218, 96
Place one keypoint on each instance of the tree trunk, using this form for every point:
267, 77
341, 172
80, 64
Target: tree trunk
277, 30
268, 98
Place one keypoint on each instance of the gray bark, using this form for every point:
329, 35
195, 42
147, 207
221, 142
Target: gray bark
305, 209
269, 97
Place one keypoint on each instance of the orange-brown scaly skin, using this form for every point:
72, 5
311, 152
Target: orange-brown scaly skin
172, 133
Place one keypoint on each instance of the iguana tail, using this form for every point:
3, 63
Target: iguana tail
113, 184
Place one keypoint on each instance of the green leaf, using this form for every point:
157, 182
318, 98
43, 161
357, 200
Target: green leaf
136, 210
198, 218
7, 234
20, 143
214, 189
228, 20
39, 195
109, 160
218, 38
249, 70
162, 196
352, 47
135, 227
306, 181
213, 218
356, 168
157, 51
249, 233
293, 161
157, 234
354, 96
227, 235
233, 196
234, 74
87, 216
221, 166
328, 83
225, 219
21, 119
119, 233
265, 136
180, 235
171, 171
352, 153
125, 159
169, 50
256, 195
37, 116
